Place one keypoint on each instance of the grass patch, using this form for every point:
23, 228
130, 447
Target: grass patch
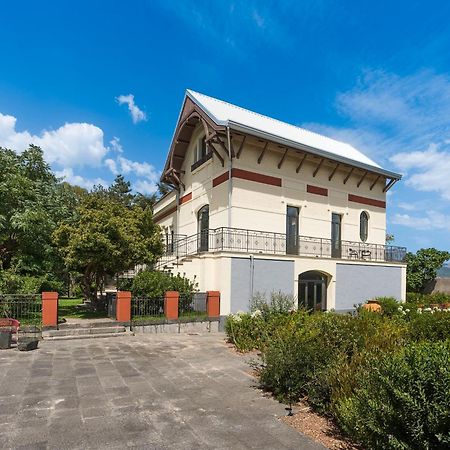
71, 308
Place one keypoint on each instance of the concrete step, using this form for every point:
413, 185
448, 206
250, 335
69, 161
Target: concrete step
88, 336
84, 331
90, 323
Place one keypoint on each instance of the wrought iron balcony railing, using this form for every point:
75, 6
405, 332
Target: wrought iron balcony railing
253, 242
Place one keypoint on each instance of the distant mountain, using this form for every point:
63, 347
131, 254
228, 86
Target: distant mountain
444, 272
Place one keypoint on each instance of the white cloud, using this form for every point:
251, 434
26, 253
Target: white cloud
71, 145
137, 115
69, 176
146, 174
388, 114
432, 220
112, 166
80, 145
116, 145
145, 187
427, 171
141, 169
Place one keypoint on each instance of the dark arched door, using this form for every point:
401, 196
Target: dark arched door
312, 290
203, 229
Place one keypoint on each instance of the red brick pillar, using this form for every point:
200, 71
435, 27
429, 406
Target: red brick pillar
171, 305
123, 306
49, 309
213, 304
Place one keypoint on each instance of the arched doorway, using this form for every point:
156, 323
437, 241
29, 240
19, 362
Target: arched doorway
203, 228
312, 290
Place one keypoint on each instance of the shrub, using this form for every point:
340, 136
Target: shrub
389, 306
427, 299
278, 303
318, 358
429, 325
402, 399
153, 284
13, 283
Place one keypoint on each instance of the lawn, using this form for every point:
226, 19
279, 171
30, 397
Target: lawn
69, 308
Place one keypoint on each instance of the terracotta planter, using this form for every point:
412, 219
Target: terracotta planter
372, 305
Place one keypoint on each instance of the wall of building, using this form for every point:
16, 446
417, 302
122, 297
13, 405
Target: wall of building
348, 283
252, 276
254, 202
357, 283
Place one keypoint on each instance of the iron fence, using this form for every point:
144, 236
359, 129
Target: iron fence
253, 241
26, 308
192, 305
147, 310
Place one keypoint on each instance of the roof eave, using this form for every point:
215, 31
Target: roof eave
280, 140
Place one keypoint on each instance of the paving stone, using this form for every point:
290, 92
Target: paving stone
155, 391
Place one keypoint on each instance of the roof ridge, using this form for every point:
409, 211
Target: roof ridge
270, 118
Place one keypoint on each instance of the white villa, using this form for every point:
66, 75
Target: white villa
259, 205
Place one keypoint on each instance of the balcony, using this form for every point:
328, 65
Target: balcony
263, 242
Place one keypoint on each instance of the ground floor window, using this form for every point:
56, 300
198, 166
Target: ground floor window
312, 290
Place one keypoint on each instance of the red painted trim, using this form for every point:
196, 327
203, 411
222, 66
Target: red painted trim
316, 190
185, 198
163, 215
257, 177
220, 179
366, 201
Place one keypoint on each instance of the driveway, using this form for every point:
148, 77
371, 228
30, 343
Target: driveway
148, 391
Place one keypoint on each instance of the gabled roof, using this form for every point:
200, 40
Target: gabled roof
240, 119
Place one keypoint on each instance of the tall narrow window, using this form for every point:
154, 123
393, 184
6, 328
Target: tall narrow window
364, 226
203, 229
292, 230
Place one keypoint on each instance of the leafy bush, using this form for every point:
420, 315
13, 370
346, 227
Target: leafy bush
340, 362
429, 325
278, 303
427, 299
254, 330
153, 284
402, 401
389, 305
13, 283
318, 358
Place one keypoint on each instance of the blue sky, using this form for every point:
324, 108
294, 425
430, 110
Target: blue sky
99, 85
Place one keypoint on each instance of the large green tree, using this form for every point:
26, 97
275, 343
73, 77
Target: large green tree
33, 202
110, 234
423, 266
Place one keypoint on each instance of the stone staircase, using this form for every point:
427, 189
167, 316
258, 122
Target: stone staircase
87, 329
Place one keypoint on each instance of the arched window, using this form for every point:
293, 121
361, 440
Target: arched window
364, 226
203, 228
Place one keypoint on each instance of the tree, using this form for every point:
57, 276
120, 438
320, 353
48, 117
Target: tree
109, 235
33, 201
423, 266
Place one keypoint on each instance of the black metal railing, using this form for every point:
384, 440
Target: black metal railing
26, 308
253, 241
192, 305
147, 310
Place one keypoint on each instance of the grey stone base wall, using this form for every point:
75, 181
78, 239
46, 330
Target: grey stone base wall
207, 326
357, 283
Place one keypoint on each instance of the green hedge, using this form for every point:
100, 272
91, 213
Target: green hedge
402, 400
333, 361
152, 284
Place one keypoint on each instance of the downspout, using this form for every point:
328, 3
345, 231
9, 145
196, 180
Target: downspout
230, 179
252, 274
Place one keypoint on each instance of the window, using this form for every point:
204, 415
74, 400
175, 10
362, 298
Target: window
200, 150
203, 229
364, 226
